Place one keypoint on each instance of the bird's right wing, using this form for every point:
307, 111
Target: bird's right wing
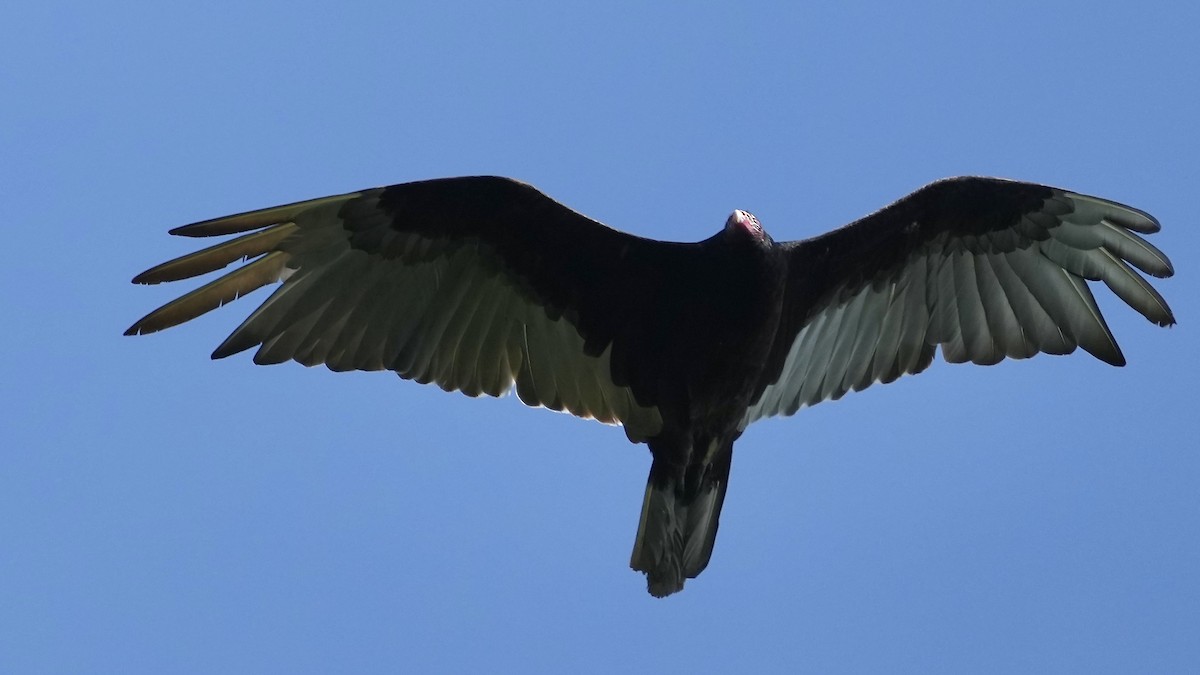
983, 268
480, 285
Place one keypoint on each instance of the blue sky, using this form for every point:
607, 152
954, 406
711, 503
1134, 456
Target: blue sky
160, 512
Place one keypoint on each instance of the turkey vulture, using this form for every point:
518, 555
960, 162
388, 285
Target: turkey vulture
485, 285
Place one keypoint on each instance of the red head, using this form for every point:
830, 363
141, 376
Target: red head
742, 223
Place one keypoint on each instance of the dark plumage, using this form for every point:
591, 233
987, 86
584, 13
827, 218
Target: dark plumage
484, 284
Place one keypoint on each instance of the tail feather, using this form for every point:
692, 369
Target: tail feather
678, 527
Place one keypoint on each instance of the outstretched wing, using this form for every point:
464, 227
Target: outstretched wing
982, 267
476, 284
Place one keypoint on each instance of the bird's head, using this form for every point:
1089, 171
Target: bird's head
743, 224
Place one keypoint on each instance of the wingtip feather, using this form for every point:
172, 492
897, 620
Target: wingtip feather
1123, 214
253, 220
216, 257
212, 295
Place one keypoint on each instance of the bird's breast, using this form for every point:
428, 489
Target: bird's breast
729, 338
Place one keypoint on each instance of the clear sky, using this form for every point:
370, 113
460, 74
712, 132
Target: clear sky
160, 512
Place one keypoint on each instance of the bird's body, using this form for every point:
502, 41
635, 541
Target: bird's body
486, 285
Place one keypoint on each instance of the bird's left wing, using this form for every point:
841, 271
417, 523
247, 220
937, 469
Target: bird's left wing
982, 267
478, 284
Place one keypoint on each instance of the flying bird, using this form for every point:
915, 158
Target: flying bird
485, 285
